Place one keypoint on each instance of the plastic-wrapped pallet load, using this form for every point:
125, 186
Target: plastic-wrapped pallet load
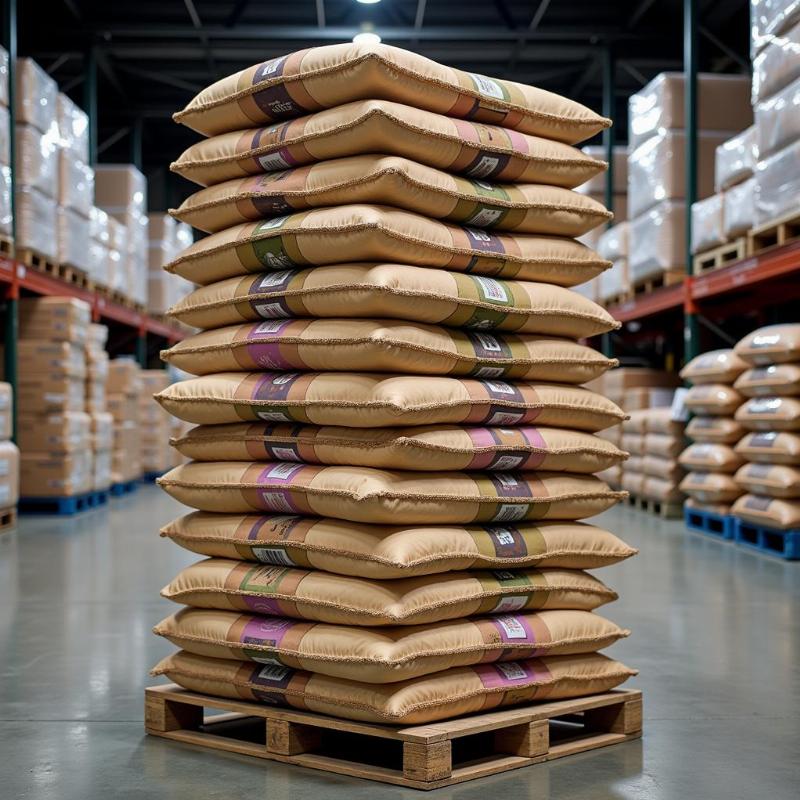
711, 459
5, 150
771, 419
9, 453
613, 246
379, 362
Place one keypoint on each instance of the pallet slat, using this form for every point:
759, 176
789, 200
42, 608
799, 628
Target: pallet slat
421, 757
775, 542
8, 519
718, 525
73, 504
663, 509
781, 231
719, 257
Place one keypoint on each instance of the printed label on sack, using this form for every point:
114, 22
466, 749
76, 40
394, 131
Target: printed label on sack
485, 217
759, 373
274, 387
757, 503
507, 674
487, 86
508, 541
272, 675
506, 512
484, 242
765, 405
514, 602
758, 471
266, 632
268, 354
273, 555
275, 101
277, 160
491, 290
278, 499
765, 439
514, 629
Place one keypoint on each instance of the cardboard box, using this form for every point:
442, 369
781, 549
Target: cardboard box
36, 221
597, 185
101, 469
55, 311
9, 475
73, 128
102, 430
658, 242
778, 120
43, 475
36, 159
723, 104
6, 410
777, 179
124, 408
735, 159
54, 433
739, 209
50, 357
120, 189
624, 378
36, 96
124, 377
75, 184
777, 65
42, 394
708, 223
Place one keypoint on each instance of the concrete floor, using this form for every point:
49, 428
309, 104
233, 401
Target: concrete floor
716, 637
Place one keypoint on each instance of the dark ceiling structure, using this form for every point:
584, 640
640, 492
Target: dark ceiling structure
146, 58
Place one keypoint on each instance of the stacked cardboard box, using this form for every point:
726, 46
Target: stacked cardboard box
613, 245
101, 422
36, 161
121, 191
9, 454
52, 425
98, 255
5, 150
657, 166
124, 388
156, 453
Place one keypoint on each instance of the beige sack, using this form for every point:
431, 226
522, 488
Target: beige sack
772, 344
398, 292
770, 414
366, 345
364, 400
344, 600
386, 655
722, 430
633, 443
771, 512
771, 480
364, 494
394, 181
715, 366
450, 693
633, 482
385, 552
322, 77
428, 448
723, 509
664, 445
661, 421
379, 233
711, 487
713, 399
771, 447
711, 457
663, 491
775, 379
666, 469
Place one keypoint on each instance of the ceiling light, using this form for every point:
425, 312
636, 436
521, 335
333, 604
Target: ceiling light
366, 37
368, 2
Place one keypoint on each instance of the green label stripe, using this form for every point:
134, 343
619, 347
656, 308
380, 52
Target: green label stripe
490, 190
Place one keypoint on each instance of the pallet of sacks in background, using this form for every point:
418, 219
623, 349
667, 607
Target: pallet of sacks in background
6, 232
9, 462
124, 392
391, 444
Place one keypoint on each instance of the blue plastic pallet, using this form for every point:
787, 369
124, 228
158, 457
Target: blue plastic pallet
127, 487
718, 525
62, 505
775, 542
151, 477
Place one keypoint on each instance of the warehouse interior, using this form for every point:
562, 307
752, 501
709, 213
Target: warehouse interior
670, 485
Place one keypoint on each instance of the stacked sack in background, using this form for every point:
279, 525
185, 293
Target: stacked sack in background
155, 424
374, 552
101, 422
124, 403
771, 417
53, 428
711, 459
9, 454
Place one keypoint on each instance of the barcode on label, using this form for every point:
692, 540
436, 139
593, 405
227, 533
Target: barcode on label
513, 603
273, 161
485, 217
487, 86
511, 671
276, 501
484, 167
274, 672
270, 310
275, 278
283, 471
509, 513
274, 416
273, 555
507, 462
512, 627
491, 289
504, 418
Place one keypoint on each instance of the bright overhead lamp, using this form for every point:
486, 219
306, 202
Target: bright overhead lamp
368, 2
366, 37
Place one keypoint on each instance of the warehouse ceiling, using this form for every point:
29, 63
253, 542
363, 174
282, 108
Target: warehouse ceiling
152, 56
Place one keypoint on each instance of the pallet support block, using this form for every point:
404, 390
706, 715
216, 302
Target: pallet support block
422, 756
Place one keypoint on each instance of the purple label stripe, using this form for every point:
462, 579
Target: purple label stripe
508, 485
514, 629
509, 674
266, 631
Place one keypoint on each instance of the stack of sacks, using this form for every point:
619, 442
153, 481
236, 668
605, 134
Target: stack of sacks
729, 212
121, 191
98, 256
634, 429
771, 416
75, 184
637, 388
714, 431
178, 428
167, 240
124, 389
53, 427
613, 246
776, 96
155, 428
663, 440
102, 423
348, 468
36, 159
9, 454
5, 150
657, 165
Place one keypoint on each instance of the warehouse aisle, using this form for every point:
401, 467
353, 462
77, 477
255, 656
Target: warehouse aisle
717, 637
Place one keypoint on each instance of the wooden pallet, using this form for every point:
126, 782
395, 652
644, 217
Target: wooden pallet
720, 256
6, 246
8, 519
656, 282
658, 507
421, 757
783, 230
63, 272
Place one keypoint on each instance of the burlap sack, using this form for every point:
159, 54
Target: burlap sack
772, 512
635, 464
713, 399
770, 480
711, 457
429, 448
711, 487
322, 77
722, 430
385, 552
664, 491
665, 469
723, 509
366, 345
394, 181
715, 366
661, 422
770, 447
772, 344
386, 655
633, 482
775, 379
343, 600
664, 445
633, 443
450, 693
379, 233
770, 414
636, 422
364, 400
364, 494
398, 292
